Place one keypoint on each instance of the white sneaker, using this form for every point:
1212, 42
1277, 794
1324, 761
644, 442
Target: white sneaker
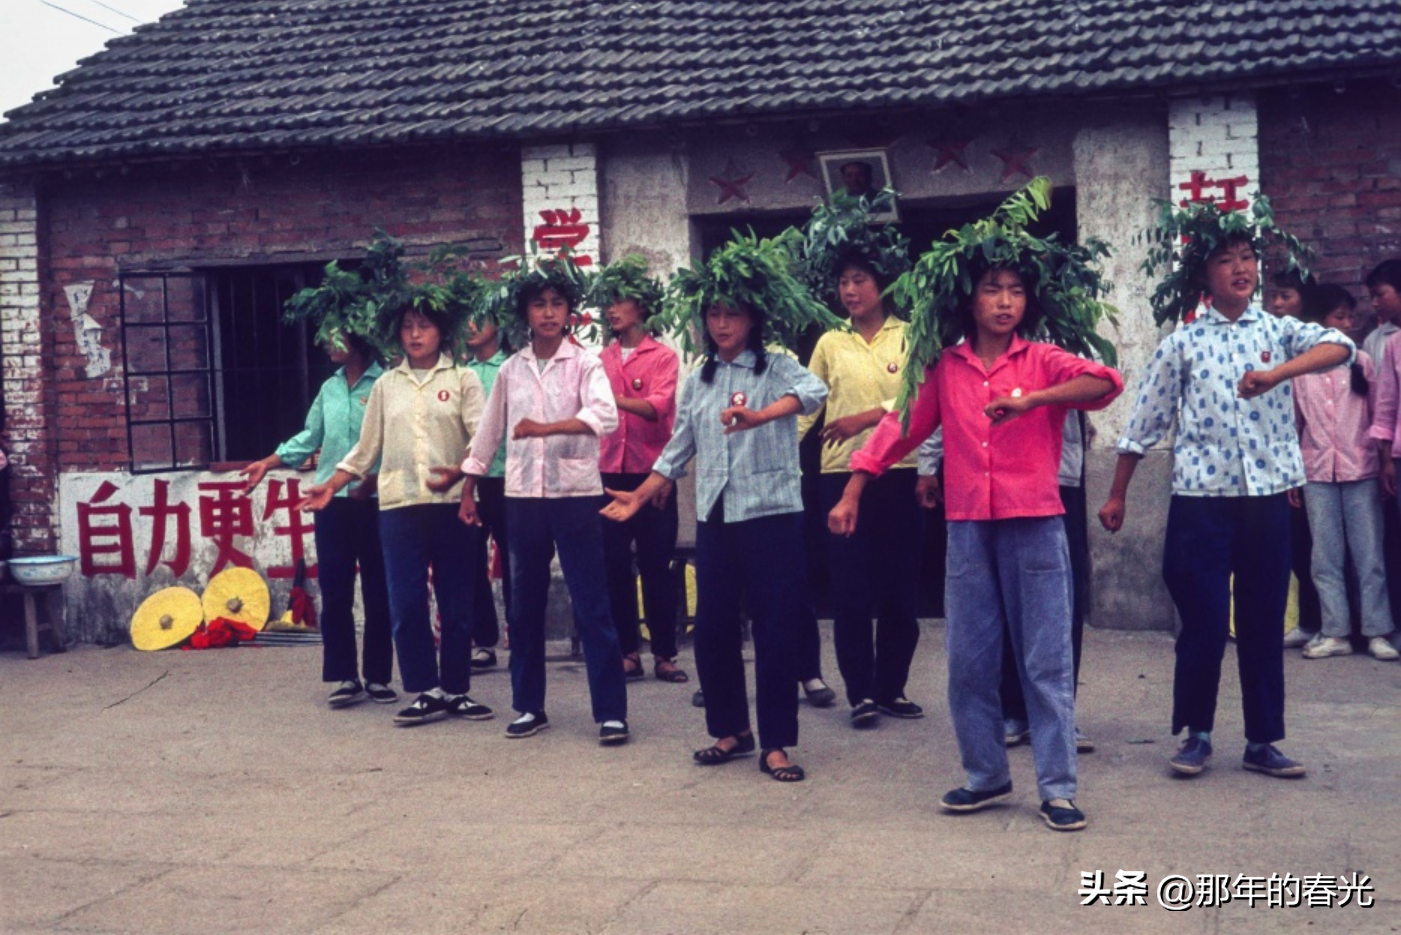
1326, 646
1381, 649
1296, 638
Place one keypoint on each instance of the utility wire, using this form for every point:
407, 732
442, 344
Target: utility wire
115, 10
83, 18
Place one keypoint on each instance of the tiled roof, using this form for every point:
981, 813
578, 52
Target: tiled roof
231, 75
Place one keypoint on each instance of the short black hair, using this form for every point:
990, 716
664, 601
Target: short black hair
1321, 300
854, 257
1031, 319
1387, 272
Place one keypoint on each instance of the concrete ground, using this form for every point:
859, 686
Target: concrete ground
205, 792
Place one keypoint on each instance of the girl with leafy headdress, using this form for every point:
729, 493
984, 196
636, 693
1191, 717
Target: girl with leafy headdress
642, 373
1002, 401
419, 418
738, 417
875, 573
550, 406
1222, 378
347, 531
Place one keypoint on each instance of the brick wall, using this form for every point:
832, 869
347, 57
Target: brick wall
66, 410
1213, 149
1331, 164
559, 187
22, 343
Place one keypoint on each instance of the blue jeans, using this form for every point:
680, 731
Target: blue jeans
1346, 518
347, 536
416, 538
1209, 539
572, 525
762, 559
874, 573
1012, 573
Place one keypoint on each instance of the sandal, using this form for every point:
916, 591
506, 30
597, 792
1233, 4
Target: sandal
632, 666
790, 773
715, 755
666, 670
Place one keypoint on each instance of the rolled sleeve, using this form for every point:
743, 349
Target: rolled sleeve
889, 443
1303, 336
1156, 406
486, 441
599, 410
802, 383
295, 451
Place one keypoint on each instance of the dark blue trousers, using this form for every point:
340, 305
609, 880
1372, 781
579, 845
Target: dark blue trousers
654, 532
347, 537
874, 578
415, 539
1209, 539
572, 525
491, 508
762, 558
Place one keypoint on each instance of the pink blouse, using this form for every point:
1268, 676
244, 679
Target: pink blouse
649, 374
1333, 424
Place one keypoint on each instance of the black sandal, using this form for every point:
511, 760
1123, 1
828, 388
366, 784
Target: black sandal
632, 666
791, 773
668, 671
716, 755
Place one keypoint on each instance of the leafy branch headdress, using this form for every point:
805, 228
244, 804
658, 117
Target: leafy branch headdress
1184, 237
348, 303
1062, 279
839, 229
503, 301
759, 275
627, 279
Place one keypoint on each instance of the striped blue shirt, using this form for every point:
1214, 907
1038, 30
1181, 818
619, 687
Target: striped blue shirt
755, 469
1226, 446
332, 424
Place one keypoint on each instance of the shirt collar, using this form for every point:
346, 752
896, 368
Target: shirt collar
964, 349
567, 349
648, 343
1213, 317
372, 373
445, 362
745, 359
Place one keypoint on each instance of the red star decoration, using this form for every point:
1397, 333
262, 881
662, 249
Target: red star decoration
799, 163
730, 186
950, 152
1015, 160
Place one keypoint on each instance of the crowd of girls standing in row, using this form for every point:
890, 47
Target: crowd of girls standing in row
528, 447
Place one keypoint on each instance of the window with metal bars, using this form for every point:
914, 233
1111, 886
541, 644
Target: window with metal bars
212, 374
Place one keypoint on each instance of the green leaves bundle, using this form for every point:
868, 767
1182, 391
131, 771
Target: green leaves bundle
1183, 238
351, 303
1062, 279
503, 301
627, 279
840, 228
760, 275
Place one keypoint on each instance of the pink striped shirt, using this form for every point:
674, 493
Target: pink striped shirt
649, 374
572, 385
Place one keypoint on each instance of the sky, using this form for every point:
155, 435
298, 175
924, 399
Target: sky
39, 42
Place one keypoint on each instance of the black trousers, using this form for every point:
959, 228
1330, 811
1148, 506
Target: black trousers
653, 532
491, 508
347, 539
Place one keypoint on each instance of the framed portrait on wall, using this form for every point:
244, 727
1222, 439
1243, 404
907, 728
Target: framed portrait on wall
859, 172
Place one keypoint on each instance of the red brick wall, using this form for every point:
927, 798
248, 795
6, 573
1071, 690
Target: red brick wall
265, 210
1331, 164
201, 214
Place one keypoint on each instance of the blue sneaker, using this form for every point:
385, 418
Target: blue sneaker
1271, 762
1192, 758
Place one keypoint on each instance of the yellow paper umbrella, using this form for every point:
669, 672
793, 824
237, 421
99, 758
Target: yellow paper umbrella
238, 594
166, 619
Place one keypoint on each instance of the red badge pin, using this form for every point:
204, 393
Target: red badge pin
444, 396
1264, 357
637, 383
738, 399
893, 367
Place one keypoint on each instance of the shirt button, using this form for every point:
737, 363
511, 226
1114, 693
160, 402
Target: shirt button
985, 383
985, 444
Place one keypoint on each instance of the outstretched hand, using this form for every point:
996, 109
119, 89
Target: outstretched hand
624, 507
317, 498
253, 475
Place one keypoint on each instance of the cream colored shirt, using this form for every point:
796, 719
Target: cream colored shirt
412, 427
860, 376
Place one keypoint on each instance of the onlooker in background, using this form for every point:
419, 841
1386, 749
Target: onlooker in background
1342, 495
